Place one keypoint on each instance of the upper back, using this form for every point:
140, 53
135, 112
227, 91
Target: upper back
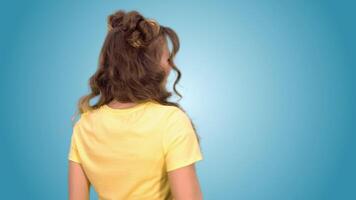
126, 153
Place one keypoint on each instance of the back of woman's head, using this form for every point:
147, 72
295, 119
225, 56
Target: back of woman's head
130, 63
129, 68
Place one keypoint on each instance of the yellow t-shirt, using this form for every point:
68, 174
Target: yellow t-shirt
126, 153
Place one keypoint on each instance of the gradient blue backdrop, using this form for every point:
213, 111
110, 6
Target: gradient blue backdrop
269, 84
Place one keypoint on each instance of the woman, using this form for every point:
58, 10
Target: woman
133, 143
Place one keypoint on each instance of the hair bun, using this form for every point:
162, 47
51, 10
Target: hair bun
116, 20
139, 31
145, 32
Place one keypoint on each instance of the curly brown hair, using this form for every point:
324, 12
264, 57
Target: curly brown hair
129, 63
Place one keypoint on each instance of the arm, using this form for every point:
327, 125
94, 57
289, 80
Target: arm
79, 185
184, 183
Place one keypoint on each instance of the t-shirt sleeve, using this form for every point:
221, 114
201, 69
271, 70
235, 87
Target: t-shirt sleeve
73, 154
180, 143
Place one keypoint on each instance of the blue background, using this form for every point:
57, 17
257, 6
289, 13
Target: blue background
270, 86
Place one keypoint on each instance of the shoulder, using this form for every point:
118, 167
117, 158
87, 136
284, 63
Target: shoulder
177, 113
177, 120
174, 113
169, 114
85, 119
161, 109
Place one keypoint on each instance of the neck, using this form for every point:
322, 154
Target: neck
117, 104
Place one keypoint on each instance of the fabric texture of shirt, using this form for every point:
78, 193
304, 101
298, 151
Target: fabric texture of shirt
126, 153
